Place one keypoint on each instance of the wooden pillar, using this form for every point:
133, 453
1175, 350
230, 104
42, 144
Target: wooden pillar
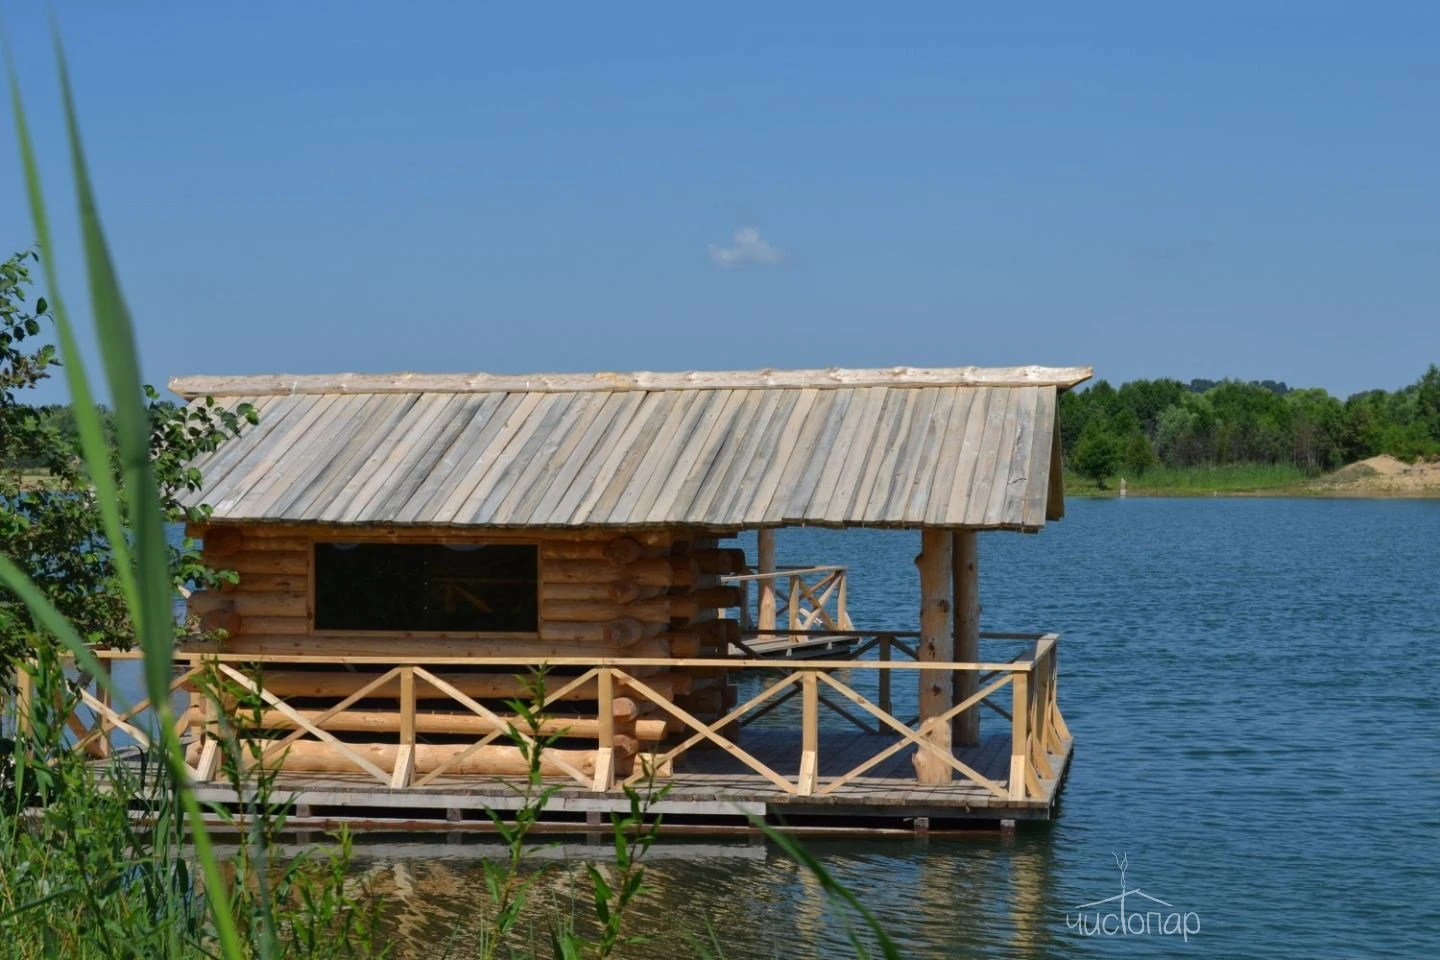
937, 644
24, 701
967, 634
810, 735
404, 771
605, 740
1019, 735
765, 563
885, 641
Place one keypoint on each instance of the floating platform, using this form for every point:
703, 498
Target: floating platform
710, 792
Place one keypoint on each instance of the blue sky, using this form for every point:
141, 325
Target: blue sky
1205, 189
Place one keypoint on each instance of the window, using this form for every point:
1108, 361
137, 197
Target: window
452, 588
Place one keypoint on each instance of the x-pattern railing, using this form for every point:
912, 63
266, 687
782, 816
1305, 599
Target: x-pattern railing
814, 595
1038, 731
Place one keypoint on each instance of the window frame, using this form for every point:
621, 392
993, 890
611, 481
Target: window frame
361, 537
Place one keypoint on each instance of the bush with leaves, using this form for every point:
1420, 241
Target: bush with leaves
50, 523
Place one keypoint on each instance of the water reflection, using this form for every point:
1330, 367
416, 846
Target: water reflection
980, 894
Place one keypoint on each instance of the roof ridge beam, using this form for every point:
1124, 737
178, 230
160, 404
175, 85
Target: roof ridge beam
1062, 378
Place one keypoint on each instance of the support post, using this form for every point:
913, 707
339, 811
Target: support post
605, 740
885, 641
765, 563
1019, 734
208, 764
404, 770
102, 693
794, 604
24, 699
937, 644
967, 634
809, 735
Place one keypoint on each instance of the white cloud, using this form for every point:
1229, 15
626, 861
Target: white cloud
747, 248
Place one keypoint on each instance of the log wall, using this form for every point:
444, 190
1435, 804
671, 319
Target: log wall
650, 594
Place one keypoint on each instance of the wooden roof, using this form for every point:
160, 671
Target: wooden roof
902, 447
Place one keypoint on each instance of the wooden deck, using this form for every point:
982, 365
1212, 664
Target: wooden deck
710, 790
797, 645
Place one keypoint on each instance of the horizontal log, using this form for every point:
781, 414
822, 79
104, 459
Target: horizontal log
314, 756
272, 583
617, 591
288, 684
272, 626
657, 610
683, 643
720, 561
398, 648
227, 622
621, 632
267, 562
460, 723
620, 551
656, 572
202, 602
222, 541
277, 544
577, 591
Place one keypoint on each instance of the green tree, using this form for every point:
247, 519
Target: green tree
1097, 454
1137, 455
52, 529
1427, 402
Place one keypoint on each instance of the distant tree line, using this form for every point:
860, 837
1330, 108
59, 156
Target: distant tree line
1147, 423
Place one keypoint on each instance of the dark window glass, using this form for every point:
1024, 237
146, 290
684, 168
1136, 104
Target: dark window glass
462, 588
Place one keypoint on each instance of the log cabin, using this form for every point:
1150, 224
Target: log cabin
408, 549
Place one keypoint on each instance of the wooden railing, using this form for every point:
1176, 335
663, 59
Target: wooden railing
815, 595
1038, 731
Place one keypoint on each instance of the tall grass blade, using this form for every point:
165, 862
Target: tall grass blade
115, 332
148, 600
116, 335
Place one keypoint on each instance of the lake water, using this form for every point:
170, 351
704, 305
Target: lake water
1252, 687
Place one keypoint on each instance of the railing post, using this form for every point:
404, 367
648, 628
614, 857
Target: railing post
1019, 733
404, 770
794, 603
605, 717
842, 611
885, 675
746, 623
209, 762
809, 735
102, 693
24, 699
